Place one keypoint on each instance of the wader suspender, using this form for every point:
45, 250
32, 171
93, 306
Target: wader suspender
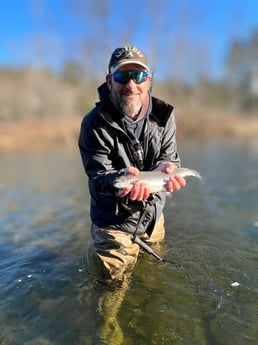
142, 216
144, 245
137, 240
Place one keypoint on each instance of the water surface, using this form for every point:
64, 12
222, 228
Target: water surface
48, 295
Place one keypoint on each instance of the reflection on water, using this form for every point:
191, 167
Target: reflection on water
48, 295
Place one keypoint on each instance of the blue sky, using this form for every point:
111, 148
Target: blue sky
178, 34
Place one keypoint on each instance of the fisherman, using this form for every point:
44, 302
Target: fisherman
127, 131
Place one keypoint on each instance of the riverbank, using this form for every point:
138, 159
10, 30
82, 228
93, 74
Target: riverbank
47, 133
35, 134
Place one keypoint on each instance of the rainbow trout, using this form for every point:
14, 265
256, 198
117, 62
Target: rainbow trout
155, 180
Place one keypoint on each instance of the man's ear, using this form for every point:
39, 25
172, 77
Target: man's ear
151, 83
108, 80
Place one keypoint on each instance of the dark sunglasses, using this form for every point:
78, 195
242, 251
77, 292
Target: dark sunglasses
122, 77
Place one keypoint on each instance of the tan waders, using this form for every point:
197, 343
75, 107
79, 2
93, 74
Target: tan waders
116, 254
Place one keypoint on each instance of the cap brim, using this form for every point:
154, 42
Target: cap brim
113, 69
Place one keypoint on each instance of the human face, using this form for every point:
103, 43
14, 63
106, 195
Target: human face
129, 98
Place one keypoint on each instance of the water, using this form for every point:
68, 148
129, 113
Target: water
48, 295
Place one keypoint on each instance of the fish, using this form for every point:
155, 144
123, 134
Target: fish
155, 180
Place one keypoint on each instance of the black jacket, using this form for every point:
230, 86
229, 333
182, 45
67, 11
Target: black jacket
106, 149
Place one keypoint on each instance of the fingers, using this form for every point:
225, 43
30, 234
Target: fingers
167, 167
123, 192
139, 192
132, 170
176, 183
180, 180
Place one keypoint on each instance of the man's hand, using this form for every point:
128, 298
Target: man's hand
139, 191
175, 182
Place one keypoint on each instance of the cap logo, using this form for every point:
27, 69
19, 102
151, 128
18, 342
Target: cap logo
129, 54
131, 51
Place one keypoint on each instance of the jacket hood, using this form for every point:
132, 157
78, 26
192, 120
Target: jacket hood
103, 93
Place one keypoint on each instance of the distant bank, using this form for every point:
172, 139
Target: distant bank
47, 133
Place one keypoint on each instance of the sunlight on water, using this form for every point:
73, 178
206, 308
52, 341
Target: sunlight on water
48, 295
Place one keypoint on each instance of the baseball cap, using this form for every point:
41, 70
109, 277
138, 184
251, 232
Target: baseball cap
127, 55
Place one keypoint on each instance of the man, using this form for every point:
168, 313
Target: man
128, 131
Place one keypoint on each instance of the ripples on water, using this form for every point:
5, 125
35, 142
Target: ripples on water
48, 296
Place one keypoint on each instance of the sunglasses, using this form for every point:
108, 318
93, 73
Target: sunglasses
123, 77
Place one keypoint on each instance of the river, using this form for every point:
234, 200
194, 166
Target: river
206, 295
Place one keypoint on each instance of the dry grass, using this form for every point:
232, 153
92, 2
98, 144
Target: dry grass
31, 134
205, 124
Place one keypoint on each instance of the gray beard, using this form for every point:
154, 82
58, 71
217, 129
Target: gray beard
126, 107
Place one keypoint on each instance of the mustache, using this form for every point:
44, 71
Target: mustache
129, 93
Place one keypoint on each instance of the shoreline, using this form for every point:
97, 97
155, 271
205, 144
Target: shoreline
39, 134
42, 134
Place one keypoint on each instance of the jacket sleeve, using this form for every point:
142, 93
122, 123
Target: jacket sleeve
95, 152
